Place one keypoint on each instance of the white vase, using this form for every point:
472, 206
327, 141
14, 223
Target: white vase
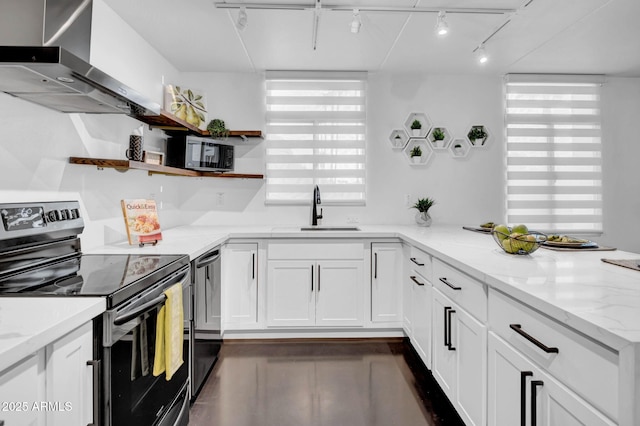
423, 218
415, 132
416, 159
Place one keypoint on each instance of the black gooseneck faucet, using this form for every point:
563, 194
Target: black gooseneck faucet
314, 211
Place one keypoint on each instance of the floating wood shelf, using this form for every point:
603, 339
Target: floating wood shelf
155, 169
169, 122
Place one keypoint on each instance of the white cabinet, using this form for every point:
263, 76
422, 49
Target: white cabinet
386, 279
417, 302
311, 284
326, 293
522, 394
69, 378
52, 387
459, 358
240, 285
21, 386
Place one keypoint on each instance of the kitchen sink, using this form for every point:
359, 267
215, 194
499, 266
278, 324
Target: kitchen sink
330, 228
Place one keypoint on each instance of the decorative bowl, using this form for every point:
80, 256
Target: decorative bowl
519, 243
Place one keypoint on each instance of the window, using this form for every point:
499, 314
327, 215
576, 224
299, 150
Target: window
554, 170
315, 136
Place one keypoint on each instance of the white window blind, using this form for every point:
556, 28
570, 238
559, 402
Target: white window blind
315, 136
554, 171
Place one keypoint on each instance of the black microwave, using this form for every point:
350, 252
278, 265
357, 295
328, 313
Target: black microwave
198, 153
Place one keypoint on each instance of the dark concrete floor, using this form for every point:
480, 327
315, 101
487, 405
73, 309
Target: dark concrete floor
321, 383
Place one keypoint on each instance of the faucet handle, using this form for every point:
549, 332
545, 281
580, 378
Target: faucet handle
319, 216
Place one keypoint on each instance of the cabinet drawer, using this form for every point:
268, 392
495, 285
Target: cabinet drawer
316, 250
467, 292
420, 262
579, 363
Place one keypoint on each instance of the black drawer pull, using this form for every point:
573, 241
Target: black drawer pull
534, 384
444, 280
450, 345
518, 329
413, 259
523, 396
413, 278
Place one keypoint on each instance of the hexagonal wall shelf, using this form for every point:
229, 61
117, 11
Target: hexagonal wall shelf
425, 149
459, 148
425, 124
398, 138
477, 135
440, 144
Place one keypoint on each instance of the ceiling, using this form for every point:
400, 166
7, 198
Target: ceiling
542, 36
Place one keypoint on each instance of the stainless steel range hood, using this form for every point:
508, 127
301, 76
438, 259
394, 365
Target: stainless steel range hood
57, 74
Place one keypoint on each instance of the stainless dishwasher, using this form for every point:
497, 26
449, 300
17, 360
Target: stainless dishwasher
206, 328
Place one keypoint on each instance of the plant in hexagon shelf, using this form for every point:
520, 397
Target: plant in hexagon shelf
416, 154
415, 127
423, 218
477, 135
438, 136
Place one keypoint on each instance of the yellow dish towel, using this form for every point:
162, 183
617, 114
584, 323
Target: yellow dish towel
169, 334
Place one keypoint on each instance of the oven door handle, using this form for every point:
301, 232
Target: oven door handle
150, 305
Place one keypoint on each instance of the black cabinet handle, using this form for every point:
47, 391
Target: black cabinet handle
253, 266
97, 387
447, 334
375, 265
518, 329
318, 278
413, 259
311, 278
523, 396
451, 312
534, 385
413, 278
444, 280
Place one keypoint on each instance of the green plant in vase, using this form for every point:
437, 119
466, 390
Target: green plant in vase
415, 127
438, 136
217, 129
477, 133
416, 154
423, 218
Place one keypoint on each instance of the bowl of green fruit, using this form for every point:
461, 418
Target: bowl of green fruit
517, 240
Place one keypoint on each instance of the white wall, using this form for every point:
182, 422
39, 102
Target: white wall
37, 143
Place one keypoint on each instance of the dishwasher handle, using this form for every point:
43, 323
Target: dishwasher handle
205, 260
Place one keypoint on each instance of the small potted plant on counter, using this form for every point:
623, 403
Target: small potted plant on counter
415, 127
416, 154
423, 218
438, 137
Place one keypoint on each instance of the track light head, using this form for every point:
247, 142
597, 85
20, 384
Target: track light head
241, 22
356, 23
481, 55
442, 27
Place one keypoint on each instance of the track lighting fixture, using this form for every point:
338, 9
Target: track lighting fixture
356, 23
442, 27
481, 55
241, 23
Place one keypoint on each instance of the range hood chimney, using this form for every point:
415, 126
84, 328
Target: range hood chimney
57, 73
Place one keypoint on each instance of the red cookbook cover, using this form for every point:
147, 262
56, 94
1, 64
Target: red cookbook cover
141, 221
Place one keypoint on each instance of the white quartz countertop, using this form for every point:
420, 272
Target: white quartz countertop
595, 298
28, 324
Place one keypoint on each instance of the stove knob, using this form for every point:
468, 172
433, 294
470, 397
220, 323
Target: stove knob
63, 214
51, 216
76, 213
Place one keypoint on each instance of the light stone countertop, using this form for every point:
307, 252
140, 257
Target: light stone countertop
28, 324
576, 288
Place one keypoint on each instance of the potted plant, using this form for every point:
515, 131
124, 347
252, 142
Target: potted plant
416, 154
423, 218
457, 149
217, 129
477, 133
415, 127
438, 136
397, 139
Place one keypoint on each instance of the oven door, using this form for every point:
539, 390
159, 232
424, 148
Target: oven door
133, 395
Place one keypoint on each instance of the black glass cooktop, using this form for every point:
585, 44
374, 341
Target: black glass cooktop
93, 275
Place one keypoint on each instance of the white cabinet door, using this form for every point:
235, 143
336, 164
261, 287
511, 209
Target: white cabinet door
444, 352
339, 294
470, 342
291, 293
519, 393
240, 283
422, 306
69, 380
21, 386
386, 278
